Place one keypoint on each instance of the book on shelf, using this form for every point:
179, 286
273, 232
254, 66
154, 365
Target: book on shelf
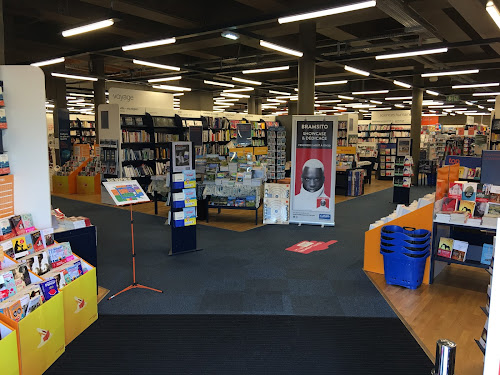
443, 217
17, 224
493, 209
487, 253
475, 221
467, 206
459, 250
458, 217
449, 204
490, 220
469, 191
456, 190
445, 247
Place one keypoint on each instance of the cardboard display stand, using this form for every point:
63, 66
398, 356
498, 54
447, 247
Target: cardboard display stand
9, 350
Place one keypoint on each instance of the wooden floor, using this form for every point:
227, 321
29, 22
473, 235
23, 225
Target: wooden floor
236, 220
449, 308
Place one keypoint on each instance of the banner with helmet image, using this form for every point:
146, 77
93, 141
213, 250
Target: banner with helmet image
314, 147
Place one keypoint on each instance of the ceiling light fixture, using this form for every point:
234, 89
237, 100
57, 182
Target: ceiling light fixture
345, 97
480, 107
248, 81
493, 12
83, 95
165, 79
49, 62
230, 35
491, 100
441, 106
397, 98
475, 85
402, 84
265, 70
455, 73
153, 43
328, 12
357, 71
381, 109
375, 102
71, 76
432, 92
155, 65
399, 105
370, 92
282, 49
171, 88
276, 100
231, 95
411, 53
214, 83
240, 90
178, 94
329, 101
279, 92
329, 83
87, 28
469, 103
486, 94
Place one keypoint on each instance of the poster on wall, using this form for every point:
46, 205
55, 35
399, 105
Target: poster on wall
314, 143
64, 135
182, 156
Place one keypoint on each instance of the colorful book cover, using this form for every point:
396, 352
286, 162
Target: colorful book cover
487, 254
8, 249
67, 252
493, 209
75, 270
459, 250
36, 239
34, 303
250, 201
17, 225
39, 264
15, 311
449, 204
49, 288
29, 243
240, 202
20, 246
28, 222
456, 190
6, 230
467, 206
9, 283
21, 277
445, 247
56, 256
47, 236
469, 192
190, 197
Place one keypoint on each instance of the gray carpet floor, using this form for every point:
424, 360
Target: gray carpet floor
240, 273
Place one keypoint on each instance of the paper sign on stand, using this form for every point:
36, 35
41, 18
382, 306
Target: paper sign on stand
126, 192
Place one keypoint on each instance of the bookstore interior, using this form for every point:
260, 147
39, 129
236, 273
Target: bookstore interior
236, 177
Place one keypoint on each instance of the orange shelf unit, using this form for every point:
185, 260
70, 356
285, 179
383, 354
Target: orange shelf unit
88, 184
67, 184
419, 219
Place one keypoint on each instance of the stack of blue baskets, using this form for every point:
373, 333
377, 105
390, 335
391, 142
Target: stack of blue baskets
405, 252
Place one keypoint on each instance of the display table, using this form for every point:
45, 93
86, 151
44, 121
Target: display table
83, 242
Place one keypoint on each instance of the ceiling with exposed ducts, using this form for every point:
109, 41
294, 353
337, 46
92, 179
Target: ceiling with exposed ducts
33, 33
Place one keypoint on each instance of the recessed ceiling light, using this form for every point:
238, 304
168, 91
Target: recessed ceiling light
370, 92
230, 35
218, 83
475, 85
329, 83
357, 71
493, 12
171, 88
345, 97
165, 79
248, 81
49, 62
155, 65
486, 94
264, 70
282, 49
402, 84
455, 73
412, 53
71, 76
87, 28
153, 43
328, 12
398, 98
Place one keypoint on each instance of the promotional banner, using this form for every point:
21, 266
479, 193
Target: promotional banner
314, 143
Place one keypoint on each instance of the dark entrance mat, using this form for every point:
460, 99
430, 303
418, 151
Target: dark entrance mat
243, 344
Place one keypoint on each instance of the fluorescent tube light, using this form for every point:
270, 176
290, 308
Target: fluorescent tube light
328, 12
277, 100
83, 95
87, 28
363, 110
441, 106
165, 79
240, 90
230, 35
493, 12
357, 71
398, 98
231, 95
469, 103
491, 100
155, 65
491, 109
71, 76
330, 101
264, 70
279, 92
279, 48
486, 94
432, 92
218, 83
329, 83
412, 53
475, 85
171, 88
49, 62
459, 109
154, 43
345, 97
49, 105
371, 92
455, 73
75, 100
178, 94
402, 84
399, 105
224, 99
375, 102
248, 81
480, 107
381, 109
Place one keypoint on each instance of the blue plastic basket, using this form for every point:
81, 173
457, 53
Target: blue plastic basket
405, 232
402, 250
404, 269
403, 246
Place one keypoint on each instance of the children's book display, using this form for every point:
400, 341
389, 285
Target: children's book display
276, 151
276, 203
70, 166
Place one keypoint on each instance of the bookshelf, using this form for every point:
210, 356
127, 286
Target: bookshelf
386, 160
382, 133
342, 134
82, 131
495, 135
